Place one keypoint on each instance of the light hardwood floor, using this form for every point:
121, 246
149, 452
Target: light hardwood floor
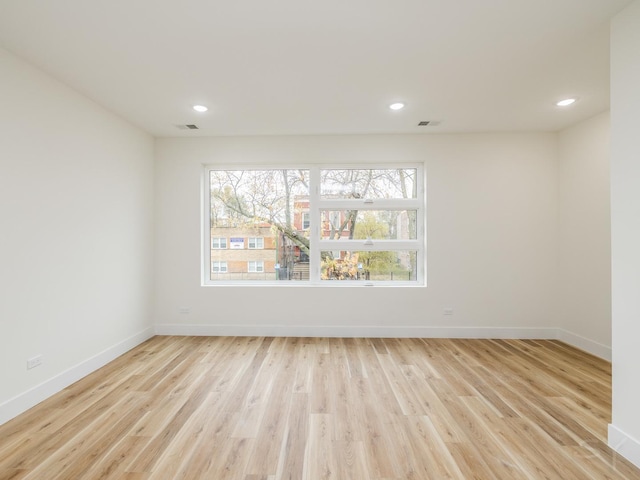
256, 408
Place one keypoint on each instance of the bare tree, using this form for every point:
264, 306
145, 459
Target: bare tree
259, 196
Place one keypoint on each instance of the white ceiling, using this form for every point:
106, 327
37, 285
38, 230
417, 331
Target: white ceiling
323, 67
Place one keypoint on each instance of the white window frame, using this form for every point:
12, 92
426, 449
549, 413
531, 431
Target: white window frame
258, 266
307, 216
316, 206
255, 241
219, 247
223, 266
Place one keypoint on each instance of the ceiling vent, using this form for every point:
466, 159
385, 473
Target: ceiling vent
187, 127
428, 123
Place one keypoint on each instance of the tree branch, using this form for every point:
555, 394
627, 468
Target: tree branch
288, 232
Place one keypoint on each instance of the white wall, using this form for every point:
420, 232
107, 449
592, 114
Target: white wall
507, 218
584, 234
76, 213
624, 431
491, 221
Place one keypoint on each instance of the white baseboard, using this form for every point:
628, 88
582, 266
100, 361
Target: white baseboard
577, 341
594, 348
624, 444
353, 331
20, 403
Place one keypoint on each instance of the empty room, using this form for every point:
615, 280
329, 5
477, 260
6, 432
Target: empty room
332, 240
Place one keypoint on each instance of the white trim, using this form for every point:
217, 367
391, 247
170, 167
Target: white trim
376, 245
523, 333
318, 204
315, 231
624, 444
340, 205
24, 401
353, 331
205, 226
589, 346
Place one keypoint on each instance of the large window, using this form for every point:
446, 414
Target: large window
315, 225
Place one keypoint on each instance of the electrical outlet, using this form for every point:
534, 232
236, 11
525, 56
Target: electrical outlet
34, 362
448, 311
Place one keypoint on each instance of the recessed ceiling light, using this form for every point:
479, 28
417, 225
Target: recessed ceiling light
200, 108
396, 106
566, 102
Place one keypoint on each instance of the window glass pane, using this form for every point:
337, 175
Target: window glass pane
392, 183
262, 214
385, 266
374, 224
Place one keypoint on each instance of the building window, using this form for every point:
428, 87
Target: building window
218, 243
256, 243
255, 266
219, 267
335, 222
316, 225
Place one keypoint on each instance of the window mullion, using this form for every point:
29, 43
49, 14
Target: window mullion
383, 204
314, 219
373, 246
207, 266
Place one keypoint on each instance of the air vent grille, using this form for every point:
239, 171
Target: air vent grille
187, 127
429, 123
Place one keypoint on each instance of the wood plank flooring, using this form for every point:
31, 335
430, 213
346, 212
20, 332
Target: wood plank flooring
255, 408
